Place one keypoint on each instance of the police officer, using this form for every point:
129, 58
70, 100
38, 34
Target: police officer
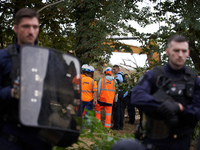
118, 108
106, 96
170, 98
130, 107
13, 135
88, 90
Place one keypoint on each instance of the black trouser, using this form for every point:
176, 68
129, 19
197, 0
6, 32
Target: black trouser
130, 109
118, 114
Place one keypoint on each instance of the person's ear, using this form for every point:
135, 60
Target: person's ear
15, 28
188, 52
167, 51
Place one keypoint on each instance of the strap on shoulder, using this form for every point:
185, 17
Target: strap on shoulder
12, 50
15, 58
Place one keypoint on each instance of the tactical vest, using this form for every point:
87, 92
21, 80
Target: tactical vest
15, 70
8, 79
164, 88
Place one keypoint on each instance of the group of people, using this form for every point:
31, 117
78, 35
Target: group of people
168, 95
104, 96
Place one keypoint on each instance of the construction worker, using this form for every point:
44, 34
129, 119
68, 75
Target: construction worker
88, 90
106, 95
83, 70
77, 80
92, 70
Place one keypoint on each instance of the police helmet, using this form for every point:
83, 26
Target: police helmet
128, 144
108, 70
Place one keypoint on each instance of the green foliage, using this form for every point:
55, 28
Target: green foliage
134, 77
100, 138
196, 132
84, 27
177, 17
81, 27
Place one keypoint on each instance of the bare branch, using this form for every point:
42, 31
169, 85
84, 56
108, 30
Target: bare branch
49, 5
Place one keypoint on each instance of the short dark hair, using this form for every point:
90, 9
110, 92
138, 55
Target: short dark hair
177, 38
25, 13
116, 66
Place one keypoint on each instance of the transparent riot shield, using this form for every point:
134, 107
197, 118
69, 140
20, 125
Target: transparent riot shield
49, 89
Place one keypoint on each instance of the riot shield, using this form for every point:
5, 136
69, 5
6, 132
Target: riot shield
49, 97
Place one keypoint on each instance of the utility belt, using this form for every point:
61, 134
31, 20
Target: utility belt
158, 129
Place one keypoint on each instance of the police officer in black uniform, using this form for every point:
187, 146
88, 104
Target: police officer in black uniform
118, 106
13, 135
170, 98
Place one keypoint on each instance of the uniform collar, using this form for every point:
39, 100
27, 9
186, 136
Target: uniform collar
18, 46
173, 72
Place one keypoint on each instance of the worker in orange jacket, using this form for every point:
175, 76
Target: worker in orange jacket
88, 90
106, 96
77, 83
77, 78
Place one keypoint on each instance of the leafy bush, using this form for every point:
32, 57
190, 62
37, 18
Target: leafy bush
196, 132
99, 137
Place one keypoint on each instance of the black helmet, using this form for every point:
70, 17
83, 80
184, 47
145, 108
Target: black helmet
128, 144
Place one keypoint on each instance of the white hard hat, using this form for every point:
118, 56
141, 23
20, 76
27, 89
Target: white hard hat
92, 68
88, 69
108, 69
84, 67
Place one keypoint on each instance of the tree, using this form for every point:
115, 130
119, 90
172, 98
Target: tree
182, 18
81, 26
95, 20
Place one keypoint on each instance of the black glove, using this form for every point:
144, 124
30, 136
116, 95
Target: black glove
172, 121
168, 108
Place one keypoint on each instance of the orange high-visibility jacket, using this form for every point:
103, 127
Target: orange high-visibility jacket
76, 79
88, 86
107, 93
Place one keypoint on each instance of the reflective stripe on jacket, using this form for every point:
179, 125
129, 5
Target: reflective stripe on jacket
107, 93
88, 86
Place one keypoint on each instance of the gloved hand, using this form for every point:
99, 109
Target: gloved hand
168, 108
172, 121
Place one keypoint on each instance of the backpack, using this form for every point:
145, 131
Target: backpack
123, 76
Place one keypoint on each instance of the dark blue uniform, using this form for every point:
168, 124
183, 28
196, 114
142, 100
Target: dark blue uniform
130, 107
13, 135
141, 97
118, 114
